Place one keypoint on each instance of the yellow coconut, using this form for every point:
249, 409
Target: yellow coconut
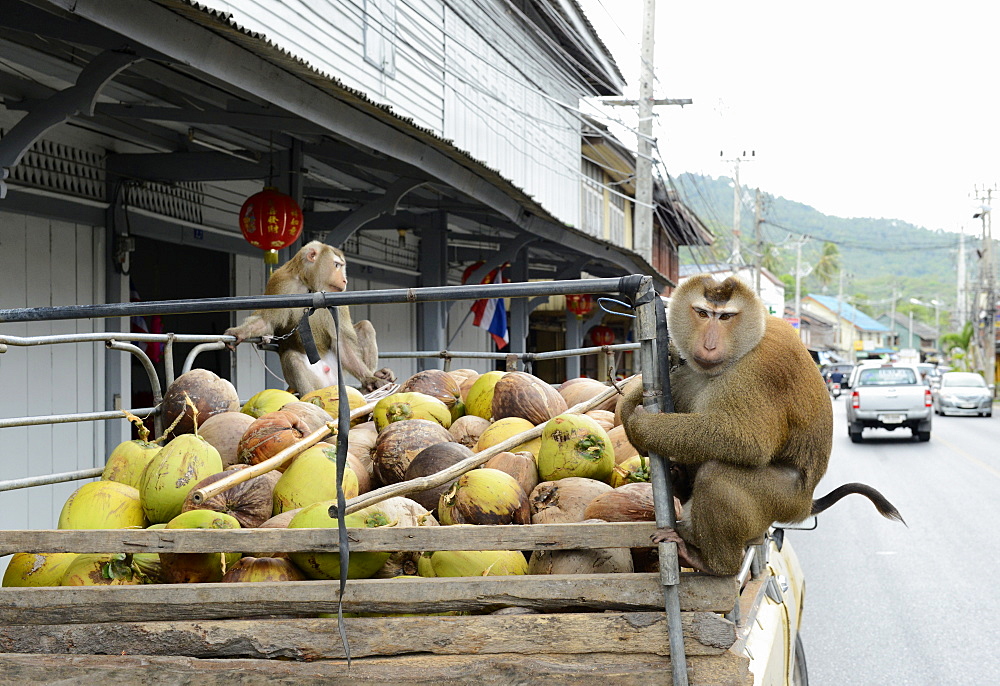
575, 445
312, 478
329, 399
455, 563
127, 461
173, 473
268, 400
411, 405
100, 570
37, 569
479, 401
505, 428
103, 505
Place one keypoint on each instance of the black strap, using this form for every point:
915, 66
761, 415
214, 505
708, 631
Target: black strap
306, 335
338, 511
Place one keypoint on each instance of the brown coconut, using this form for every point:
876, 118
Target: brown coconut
400, 442
626, 389
435, 383
576, 391
432, 460
517, 394
360, 443
360, 470
467, 429
249, 569
620, 444
269, 435
565, 500
224, 431
628, 503
249, 502
466, 384
587, 561
605, 418
520, 465
313, 416
210, 394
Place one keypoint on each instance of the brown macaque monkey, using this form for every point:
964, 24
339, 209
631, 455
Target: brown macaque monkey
315, 267
752, 431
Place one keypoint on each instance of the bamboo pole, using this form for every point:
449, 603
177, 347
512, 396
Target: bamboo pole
202, 494
459, 468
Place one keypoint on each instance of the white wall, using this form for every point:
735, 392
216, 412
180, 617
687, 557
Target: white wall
48, 263
475, 78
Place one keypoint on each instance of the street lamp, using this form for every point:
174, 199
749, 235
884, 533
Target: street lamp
937, 318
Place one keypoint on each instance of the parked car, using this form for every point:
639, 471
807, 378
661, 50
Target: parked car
889, 396
962, 393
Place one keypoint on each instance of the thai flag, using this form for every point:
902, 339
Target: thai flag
490, 314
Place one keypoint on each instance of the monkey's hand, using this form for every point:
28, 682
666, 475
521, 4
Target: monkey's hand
238, 334
378, 379
634, 417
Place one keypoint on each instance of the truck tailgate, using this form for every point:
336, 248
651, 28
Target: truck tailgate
890, 398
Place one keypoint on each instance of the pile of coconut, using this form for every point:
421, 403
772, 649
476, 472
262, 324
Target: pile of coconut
580, 468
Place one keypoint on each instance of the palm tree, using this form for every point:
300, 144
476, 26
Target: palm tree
828, 265
962, 341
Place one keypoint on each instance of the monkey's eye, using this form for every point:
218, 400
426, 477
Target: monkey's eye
726, 316
702, 314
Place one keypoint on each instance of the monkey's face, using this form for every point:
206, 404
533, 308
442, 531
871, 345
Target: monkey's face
333, 268
713, 325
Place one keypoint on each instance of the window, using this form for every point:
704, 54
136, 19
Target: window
592, 198
887, 376
617, 219
380, 35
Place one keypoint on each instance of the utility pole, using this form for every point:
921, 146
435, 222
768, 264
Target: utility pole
642, 237
736, 257
798, 282
892, 318
961, 305
758, 242
840, 308
987, 320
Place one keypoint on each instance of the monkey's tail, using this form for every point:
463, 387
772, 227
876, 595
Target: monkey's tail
882, 504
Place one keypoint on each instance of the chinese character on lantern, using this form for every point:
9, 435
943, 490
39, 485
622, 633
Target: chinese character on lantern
580, 305
602, 335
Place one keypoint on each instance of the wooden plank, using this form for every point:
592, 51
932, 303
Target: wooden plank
511, 537
705, 633
622, 592
595, 669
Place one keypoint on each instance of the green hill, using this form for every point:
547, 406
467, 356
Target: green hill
877, 255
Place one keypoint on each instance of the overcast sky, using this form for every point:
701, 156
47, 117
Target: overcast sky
860, 109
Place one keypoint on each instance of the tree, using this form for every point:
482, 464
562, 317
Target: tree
957, 346
828, 266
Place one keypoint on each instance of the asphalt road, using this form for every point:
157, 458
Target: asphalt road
894, 605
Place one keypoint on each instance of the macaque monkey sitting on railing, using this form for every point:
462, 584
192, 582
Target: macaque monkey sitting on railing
316, 267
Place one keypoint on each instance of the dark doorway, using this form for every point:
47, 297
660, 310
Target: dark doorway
166, 271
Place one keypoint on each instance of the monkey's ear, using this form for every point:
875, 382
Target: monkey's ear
311, 254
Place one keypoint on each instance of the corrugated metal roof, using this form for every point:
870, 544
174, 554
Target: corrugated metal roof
850, 313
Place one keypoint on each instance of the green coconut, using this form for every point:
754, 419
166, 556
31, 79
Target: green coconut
37, 569
327, 565
173, 473
575, 445
103, 505
312, 478
128, 460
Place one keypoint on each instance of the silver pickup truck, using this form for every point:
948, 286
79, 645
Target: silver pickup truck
889, 396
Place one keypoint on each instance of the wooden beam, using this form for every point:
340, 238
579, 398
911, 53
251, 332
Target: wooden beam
595, 669
483, 537
155, 602
705, 633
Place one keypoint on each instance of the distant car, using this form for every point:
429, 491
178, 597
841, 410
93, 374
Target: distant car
889, 396
962, 393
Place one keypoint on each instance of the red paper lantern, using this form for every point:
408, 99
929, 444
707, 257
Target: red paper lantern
602, 335
270, 220
580, 305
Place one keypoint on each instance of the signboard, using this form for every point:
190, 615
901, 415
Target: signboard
794, 321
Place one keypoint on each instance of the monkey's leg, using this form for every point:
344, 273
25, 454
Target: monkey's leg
732, 505
687, 556
299, 374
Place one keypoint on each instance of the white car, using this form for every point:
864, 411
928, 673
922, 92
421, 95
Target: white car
963, 393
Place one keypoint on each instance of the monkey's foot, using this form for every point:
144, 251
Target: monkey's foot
687, 557
378, 379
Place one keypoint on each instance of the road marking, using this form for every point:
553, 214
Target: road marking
975, 460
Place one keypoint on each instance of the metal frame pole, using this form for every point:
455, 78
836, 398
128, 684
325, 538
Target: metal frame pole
651, 332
